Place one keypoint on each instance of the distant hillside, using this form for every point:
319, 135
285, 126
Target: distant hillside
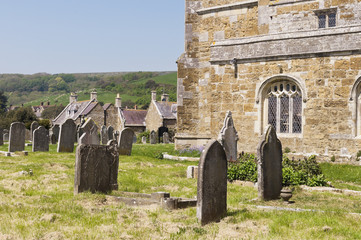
133, 87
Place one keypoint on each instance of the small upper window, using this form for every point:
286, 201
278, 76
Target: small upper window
326, 19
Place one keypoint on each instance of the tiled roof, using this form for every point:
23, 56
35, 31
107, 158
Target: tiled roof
89, 108
134, 117
168, 110
106, 106
72, 110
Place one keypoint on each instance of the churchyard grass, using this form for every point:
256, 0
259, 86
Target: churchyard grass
42, 205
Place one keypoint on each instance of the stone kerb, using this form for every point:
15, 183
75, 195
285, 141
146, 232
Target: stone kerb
66, 137
34, 125
269, 165
212, 184
96, 168
40, 140
90, 133
1, 137
17, 137
228, 137
126, 141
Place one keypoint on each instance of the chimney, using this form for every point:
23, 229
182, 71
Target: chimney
118, 101
73, 98
165, 97
93, 95
154, 95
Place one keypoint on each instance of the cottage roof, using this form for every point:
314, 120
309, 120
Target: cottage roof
106, 106
168, 110
134, 117
74, 110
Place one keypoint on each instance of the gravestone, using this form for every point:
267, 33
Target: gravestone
17, 137
66, 137
212, 184
56, 130
52, 138
126, 141
229, 137
90, 133
96, 168
34, 125
269, 165
166, 138
40, 140
28, 136
144, 139
116, 135
104, 135
153, 137
110, 131
1, 137
6, 137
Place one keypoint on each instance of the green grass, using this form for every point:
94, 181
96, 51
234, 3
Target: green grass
42, 206
342, 175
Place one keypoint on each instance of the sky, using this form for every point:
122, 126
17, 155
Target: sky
83, 36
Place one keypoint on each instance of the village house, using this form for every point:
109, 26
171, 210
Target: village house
162, 115
293, 64
38, 110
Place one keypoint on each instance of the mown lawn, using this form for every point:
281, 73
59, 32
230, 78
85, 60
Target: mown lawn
42, 205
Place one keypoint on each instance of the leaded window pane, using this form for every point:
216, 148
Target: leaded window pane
332, 20
321, 21
284, 114
272, 111
297, 114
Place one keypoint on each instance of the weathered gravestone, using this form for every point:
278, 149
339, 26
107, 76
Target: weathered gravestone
126, 141
229, 137
53, 138
66, 137
34, 125
166, 138
90, 133
40, 140
6, 137
104, 135
1, 137
269, 165
110, 131
212, 184
153, 137
17, 137
144, 139
96, 168
28, 136
56, 130
116, 135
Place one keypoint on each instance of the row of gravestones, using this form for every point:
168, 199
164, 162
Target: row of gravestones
212, 171
153, 139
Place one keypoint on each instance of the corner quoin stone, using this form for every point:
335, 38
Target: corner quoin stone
269, 165
212, 184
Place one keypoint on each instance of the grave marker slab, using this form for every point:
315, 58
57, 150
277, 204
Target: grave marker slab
212, 184
34, 125
1, 137
90, 133
104, 135
40, 140
144, 139
66, 137
110, 131
6, 137
17, 137
126, 141
229, 137
153, 137
56, 130
96, 168
53, 138
269, 161
166, 138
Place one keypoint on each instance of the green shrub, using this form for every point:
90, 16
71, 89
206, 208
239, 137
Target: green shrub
245, 169
287, 150
333, 158
140, 135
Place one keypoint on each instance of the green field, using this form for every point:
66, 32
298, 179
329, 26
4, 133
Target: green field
42, 205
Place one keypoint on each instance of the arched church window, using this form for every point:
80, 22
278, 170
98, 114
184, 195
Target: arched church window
284, 107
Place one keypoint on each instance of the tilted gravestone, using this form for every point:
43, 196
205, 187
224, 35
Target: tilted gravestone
110, 131
126, 141
34, 125
229, 137
212, 184
17, 137
90, 133
1, 137
96, 168
53, 138
56, 130
6, 137
166, 138
66, 137
153, 137
40, 140
269, 165
104, 135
